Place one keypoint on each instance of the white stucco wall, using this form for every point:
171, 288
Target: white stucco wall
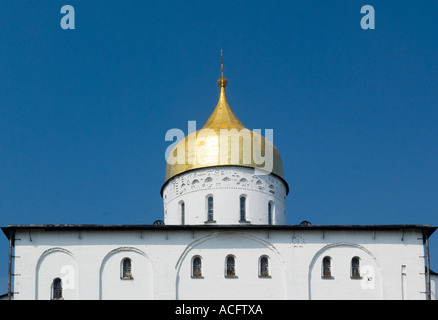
434, 286
88, 262
226, 185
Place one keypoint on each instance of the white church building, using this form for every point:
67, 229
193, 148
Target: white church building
224, 236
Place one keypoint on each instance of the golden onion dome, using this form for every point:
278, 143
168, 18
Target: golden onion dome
203, 148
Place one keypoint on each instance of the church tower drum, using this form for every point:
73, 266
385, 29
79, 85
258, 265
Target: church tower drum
219, 178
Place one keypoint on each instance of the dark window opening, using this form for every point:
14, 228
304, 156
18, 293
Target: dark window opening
183, 213
270, 213
127, 269
355, 268
210, 208
57, 289
197, 267
264, 267
326, 268
231, 267
242, 208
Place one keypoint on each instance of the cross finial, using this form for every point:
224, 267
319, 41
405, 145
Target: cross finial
222, 82
222, 63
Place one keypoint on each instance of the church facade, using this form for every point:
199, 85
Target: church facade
224, 236
219, 262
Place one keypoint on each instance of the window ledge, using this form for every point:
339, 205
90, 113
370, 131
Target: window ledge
356, 278
265, 277
245, 221
231, 277
210, 222
197, 277
127, 278
327, 278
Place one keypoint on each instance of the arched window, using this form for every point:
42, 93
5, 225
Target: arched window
230, 267
196, 267
327, 268
270, 212
182, 209
210, 208
264, 266
126, 269
355, 268
242, 208
57, 289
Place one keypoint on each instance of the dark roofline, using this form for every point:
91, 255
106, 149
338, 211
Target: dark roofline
4, 295
10, 229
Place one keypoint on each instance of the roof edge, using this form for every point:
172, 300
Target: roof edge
427, 230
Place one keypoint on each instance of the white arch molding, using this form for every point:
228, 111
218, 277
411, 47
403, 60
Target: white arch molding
320, 252
116, 251
57, 272
242, 241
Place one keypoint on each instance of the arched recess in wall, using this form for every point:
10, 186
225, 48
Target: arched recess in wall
112, 284
247, 250
55, 263
369, 286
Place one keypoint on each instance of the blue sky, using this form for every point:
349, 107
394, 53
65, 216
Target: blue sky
84, 112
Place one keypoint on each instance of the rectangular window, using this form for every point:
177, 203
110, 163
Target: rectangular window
197, 268
57, 289
231, 267
242, 208
126, 266
264, 267
183, 213
355, 271
269, 213
326, 268
210, 208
